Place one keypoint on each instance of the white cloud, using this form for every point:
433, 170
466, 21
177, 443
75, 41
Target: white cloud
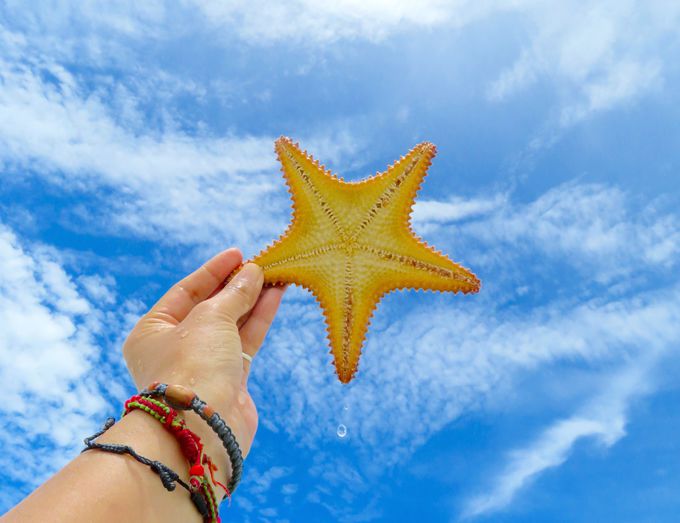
597, 54
426, 212
47, 352
158, 180
423, 371
310, 20
164, 184
257, 22
100, 289
598, 229
602, 419
257, 488
430, 360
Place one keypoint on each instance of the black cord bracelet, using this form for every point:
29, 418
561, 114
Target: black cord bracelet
168, 477
182, 398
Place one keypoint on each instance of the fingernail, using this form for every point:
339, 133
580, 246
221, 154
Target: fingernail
251, 274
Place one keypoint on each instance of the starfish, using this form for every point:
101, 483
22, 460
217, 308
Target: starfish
350, 243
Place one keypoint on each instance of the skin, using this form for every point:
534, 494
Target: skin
194, 337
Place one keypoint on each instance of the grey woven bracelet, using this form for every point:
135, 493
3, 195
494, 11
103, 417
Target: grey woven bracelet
168, 476
182, 398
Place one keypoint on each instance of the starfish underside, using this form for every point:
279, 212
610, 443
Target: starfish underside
350, 243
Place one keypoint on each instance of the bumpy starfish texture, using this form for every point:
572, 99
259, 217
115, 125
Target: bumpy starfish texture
350, 243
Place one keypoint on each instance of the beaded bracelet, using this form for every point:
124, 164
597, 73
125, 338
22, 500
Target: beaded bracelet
190, 445
182, 398
167, 476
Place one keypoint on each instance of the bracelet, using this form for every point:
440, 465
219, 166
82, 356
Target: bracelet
182, 398
190, 445
167, 476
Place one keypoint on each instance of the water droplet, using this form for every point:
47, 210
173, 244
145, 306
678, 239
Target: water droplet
345, 407
184, 334
241, 397
192, 381
342, 430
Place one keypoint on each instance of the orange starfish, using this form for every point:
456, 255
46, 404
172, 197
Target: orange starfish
350, 243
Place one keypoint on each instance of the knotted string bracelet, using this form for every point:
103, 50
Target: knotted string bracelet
168, 476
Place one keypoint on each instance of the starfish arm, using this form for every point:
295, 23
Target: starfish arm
398, 187
346, 296
416, 265
312, 190
286, 262
348, 304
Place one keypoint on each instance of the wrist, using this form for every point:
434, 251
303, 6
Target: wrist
148, 437
219, 433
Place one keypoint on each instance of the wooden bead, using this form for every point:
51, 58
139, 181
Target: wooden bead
179, 397
208, 411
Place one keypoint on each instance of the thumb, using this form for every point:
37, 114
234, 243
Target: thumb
240, 294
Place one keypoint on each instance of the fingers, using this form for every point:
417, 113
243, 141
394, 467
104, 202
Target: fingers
240, 294
182, 297
261, 316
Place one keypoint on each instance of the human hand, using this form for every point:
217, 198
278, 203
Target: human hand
194, 337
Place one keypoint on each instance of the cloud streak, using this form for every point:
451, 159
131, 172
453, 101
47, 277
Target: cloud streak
587, 50
602, 420
166, 184
448, 356
49, 352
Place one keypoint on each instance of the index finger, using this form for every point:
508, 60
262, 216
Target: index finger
182, 297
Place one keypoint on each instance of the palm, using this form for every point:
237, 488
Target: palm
191, 336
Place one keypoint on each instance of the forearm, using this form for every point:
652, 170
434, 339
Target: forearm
104, 487
99, 486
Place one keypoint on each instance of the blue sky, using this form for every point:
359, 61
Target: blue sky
135, 141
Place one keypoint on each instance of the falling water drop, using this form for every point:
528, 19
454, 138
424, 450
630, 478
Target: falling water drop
342, 430
345, 407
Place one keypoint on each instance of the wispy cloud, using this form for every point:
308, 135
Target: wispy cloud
602, 419
264, 490
593, 55
322, 22
445, 357
598, 55
70, 137
427, 213
597, 229
49, 357
165, 184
